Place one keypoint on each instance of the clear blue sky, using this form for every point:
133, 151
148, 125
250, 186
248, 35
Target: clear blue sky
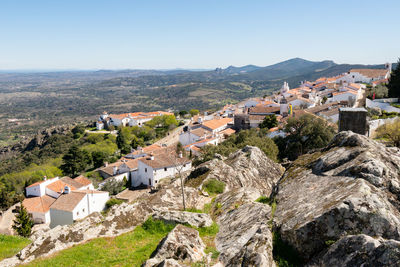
115, 34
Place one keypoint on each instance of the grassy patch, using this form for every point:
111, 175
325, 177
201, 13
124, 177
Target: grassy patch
196, 177
130, 249
194, 210
113, 201
213, 186
208, 234
11, 245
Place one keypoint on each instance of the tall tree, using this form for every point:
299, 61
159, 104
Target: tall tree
394, 82
23, 223
124, 140
304, 133
75, 161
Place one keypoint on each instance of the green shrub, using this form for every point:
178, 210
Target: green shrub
113, 201
156, 226
264, 200
213, 186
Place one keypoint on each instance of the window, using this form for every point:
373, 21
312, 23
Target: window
165, 169
145, 169
184, 165
77, 213
155, 181
83, 210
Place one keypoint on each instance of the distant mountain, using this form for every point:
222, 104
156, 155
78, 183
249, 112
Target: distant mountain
237, 70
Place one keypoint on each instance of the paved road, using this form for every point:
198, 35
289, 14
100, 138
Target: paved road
103, 132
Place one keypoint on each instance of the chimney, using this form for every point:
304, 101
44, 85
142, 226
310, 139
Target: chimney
67, 190
151, 157
44, 178
115, 170
105, 164
180, 154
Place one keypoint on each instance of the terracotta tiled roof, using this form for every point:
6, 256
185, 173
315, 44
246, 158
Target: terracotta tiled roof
200, 132
39, 182
228, 131
371, 73
345, 92
164, 160
69, 201
263, 110
83, 180
147, 149
38, 204
58, 186
215, 124
72, 182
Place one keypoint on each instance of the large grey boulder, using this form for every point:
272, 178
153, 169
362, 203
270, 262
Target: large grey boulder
361, 250
244, 237
358, 156
184, 217
233, 199
248, 167
182, 244
350, 187
314, 209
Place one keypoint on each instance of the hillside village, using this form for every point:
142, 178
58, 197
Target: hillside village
145, 167
146, 170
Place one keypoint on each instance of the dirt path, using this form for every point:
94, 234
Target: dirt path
173, 137
6, 221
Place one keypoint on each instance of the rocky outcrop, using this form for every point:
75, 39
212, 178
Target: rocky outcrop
361, 250
248, 167
182, 244
344, 189
233, 199
244, 238
357, 156
314, 209
171, 198
184, 217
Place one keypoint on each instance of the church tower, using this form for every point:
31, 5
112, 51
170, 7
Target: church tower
284, 88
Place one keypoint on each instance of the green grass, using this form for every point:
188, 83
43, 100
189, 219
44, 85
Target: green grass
10, 245
130, 249
264, 200
213, 186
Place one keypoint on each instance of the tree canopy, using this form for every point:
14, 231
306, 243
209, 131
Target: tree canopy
75, 161
269, 122
304, 133
390, 131
394, 82
23, 223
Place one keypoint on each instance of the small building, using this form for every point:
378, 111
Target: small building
353, 119
75, 205
156, 167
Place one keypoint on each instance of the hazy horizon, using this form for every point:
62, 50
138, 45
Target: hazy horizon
166, 35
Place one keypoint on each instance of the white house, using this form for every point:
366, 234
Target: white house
75, 205
366, 75
99, 125
217, 125
156, 167
41, 195
191, 136
39, 208
344, 96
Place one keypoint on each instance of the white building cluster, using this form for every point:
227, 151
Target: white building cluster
207, 132
61, 201
127, 119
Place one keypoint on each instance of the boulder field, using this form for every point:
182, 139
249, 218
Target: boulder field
338, 206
